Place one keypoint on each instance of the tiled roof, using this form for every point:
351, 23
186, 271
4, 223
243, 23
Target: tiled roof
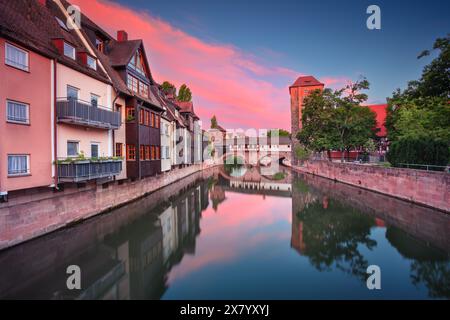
34, 26
186, 107
117, 55
306, 82
120, 53
220, 128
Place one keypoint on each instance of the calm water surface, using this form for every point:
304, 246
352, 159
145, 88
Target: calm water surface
241, 235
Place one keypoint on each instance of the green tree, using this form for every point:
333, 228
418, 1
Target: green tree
317, 115
169, 88
184, 94
336, 120
281, 133
435, 80
425, 150
422, 111
214, 123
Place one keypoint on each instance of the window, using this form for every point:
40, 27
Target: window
143, 89
131, 152
17, 112
18, 165
94, 150
158, 152
132, 83
158, 119
167, 153
141, 116
72, 148
69, 51
16, 57
94, 100
61, 24
153, 120
72, 93
153, 152
147, 118
141, 152
92, 62
100, 45
147, 152
130, 114
119, 147
137, 63
167, 129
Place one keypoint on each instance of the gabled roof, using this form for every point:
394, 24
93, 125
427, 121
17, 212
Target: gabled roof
120, 53
34, 26
307, 81
117, 56
221, 129
187, 107
172, 108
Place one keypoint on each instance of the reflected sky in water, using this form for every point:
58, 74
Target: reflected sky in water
242, 238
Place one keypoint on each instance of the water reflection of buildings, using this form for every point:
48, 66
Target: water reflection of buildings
156, 245
332, 223
131, 262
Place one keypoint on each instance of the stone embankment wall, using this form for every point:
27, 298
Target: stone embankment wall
35, 213
427, 188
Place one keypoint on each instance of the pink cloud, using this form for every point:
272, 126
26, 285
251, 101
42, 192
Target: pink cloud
237, 87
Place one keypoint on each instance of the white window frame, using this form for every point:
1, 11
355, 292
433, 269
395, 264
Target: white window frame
18, 121
75, 89
98, 149
98, 99
15, 64
69, 46
94, 62
78, 148
27, 173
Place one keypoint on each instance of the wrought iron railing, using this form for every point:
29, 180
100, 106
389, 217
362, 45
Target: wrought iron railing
83, 113
79, 171
427, 167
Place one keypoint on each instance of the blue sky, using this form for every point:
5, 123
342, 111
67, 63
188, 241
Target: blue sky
322, 38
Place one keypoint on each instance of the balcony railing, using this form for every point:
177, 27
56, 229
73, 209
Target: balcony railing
80, 171
83, 113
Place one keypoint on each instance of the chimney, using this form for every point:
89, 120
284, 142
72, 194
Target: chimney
42, 2
122, 36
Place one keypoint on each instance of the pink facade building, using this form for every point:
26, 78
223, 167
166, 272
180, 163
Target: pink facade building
25, 113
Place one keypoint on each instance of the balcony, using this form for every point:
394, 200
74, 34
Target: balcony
86, 170
79, 112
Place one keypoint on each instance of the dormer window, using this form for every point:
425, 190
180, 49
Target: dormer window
92, 62
69, 51
62, 24
100, 45
137, 63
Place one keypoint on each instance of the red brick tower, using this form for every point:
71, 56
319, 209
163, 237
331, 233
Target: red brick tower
298, 91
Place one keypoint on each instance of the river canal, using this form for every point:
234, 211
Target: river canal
242, 236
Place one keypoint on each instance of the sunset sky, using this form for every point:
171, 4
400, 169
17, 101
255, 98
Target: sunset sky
239, 57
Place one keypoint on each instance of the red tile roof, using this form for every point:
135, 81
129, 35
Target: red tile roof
186, 107
307, 81
381, 112
34, 26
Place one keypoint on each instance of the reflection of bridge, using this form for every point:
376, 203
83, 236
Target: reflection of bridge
252, 180
254, 158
